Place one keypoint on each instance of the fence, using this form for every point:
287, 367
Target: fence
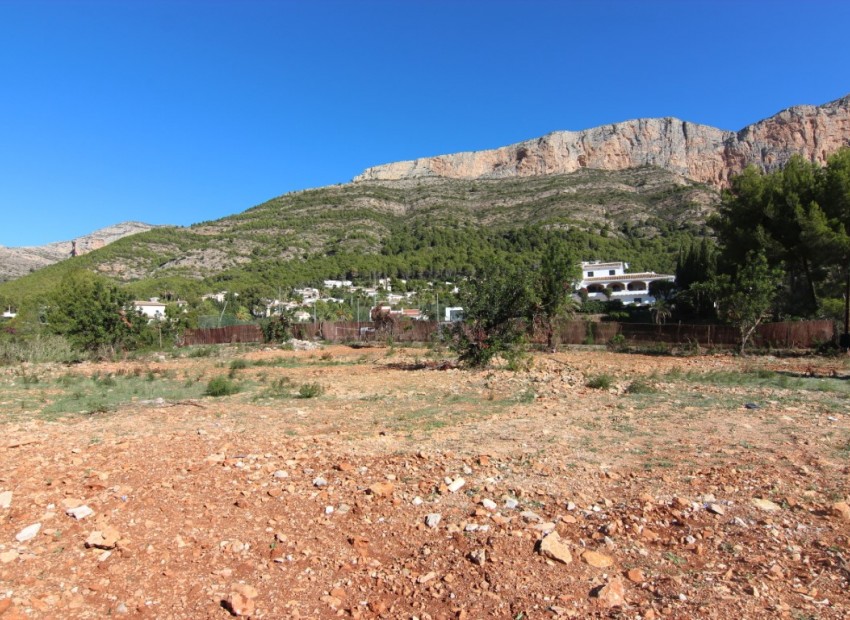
222, 335
787, 335
366, 331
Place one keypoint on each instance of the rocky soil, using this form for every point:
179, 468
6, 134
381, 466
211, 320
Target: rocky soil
407, 491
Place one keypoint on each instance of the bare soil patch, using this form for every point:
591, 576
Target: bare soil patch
701, 487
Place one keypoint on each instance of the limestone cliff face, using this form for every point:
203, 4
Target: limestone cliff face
699, 152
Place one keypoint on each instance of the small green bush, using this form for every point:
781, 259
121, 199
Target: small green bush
641, 386
600, 382
238, 364
202, 352
221, 386
310, 390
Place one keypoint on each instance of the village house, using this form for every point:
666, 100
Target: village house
597, 278
344, 284
217, 297
153, 308
413, 314
278, 306
453, 314
308, 294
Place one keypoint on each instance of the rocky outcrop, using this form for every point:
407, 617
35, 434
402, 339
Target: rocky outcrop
699, 152
17, 262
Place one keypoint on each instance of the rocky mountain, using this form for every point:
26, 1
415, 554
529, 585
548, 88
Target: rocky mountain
19, 261
698, 152
637, 191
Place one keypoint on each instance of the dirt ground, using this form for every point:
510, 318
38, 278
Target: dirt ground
693, 487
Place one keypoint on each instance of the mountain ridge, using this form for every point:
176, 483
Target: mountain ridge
20, 260
699, 152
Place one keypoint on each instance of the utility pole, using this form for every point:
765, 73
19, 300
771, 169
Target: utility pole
221, 316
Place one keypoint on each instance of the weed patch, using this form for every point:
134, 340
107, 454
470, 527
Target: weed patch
600, 382
221, 386
310, 390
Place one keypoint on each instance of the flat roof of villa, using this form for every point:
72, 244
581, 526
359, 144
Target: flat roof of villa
630, 276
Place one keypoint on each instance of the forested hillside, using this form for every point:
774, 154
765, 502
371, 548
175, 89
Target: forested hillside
429, 228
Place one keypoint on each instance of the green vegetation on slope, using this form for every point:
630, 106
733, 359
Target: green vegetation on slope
430, 228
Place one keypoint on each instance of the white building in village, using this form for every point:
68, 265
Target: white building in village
153, 308
630, 288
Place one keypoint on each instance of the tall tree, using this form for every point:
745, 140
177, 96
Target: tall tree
93, 313
834, 225
553, 289
745, 298
494, 303
769, 213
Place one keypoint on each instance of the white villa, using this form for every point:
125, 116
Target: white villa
630, 288
153, 308
346, 284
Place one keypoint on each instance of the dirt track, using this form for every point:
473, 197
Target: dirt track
316, 508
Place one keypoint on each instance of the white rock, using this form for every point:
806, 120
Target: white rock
433, 519
281, 474
457, 485
716, 508
5, 499
511, 503
489, 504
28, 533
80, 512
320, 482
417, 501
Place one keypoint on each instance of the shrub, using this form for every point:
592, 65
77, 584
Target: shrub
36, 348
600, 382
221, 386
277, 328
617, 343
202, 352
641, 386
310, 390
95, 315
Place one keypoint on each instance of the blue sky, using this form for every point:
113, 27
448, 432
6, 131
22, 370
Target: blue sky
180, 111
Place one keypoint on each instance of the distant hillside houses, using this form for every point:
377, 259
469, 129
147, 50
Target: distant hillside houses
344, 284
609, 281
